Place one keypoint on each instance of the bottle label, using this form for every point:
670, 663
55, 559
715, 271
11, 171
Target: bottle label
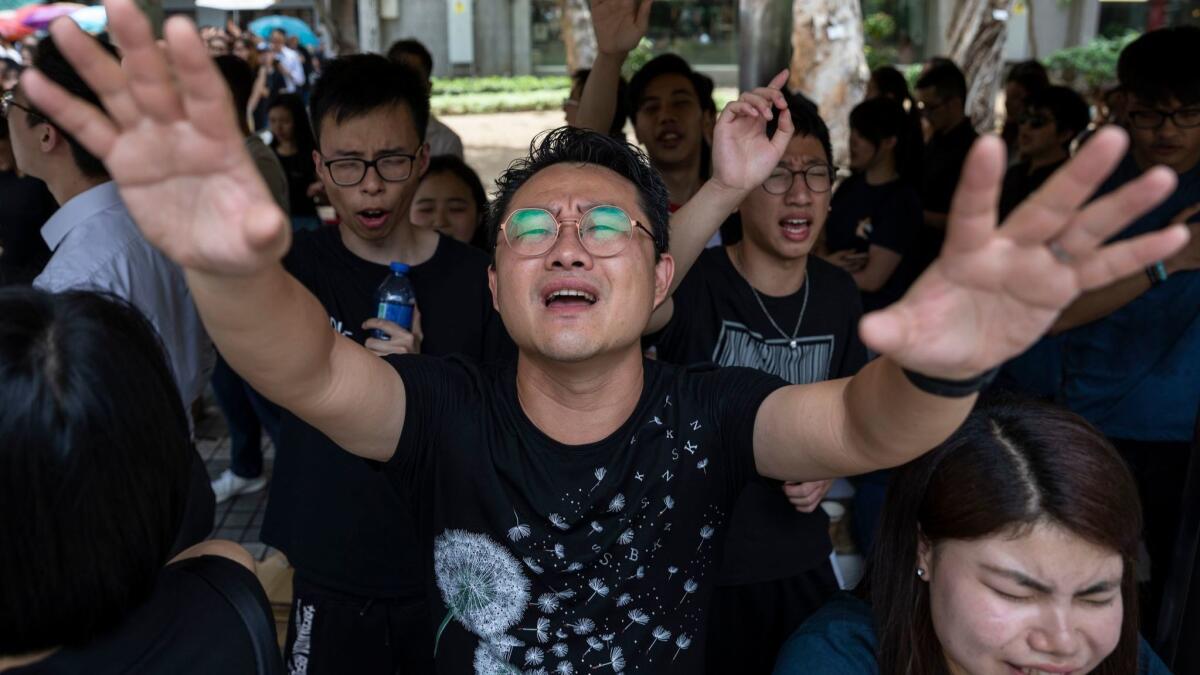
401, 315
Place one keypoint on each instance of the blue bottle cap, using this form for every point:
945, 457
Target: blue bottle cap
399, 268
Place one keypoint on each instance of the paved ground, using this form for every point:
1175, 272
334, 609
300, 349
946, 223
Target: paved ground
240, 518
492, 141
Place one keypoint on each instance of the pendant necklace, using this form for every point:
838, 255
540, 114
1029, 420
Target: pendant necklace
795, 336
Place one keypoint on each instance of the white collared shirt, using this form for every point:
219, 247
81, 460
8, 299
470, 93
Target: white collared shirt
98, 247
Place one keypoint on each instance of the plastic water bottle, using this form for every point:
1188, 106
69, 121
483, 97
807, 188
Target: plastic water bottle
395, 299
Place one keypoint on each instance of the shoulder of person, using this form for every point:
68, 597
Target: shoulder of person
457, 253
838, 639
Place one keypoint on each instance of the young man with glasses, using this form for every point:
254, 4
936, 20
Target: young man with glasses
1131, 351
572, 505
766, 303
1052, 118
349, 532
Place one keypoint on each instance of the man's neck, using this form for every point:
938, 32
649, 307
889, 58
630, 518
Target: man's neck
766, 272
683, 180
1054, 156
954, 124
66, 183
407, 244
578, 403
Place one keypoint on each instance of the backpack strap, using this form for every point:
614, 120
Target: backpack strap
224, 579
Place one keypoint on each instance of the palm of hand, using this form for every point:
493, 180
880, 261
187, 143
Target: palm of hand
199, 199
620, 24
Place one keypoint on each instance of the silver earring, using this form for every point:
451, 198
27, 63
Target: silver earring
920, 573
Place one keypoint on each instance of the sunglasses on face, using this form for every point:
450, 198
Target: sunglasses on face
604, 231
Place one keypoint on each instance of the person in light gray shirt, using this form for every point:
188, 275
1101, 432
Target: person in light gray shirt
441, 139
96, 246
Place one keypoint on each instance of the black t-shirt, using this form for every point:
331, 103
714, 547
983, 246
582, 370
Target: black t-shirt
300, 174
942, 165
185, 627
601, 555
863, 215
1020, 182
342, 523
717, 319
25, 205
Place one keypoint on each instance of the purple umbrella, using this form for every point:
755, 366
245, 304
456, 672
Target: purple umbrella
40, 18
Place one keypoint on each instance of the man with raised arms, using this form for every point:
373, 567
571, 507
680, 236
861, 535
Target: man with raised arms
574, 502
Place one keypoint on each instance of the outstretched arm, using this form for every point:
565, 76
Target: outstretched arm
169, 138
990, 295
619, 26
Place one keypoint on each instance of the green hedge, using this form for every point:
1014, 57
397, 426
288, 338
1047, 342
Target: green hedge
494, 102
453, 86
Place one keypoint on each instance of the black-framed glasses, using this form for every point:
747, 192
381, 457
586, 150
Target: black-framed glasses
350, 171
1184, 118
817, 178
604, 231
1033, 121
8, 101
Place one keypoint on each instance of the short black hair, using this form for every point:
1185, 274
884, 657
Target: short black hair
411, 47
891, 83
946, 79
240, 78
95, 463
1161, 65
50, 62
617, 128
1031, 75
669, 64
807, 121
1068, 108
355, 85
881, 118
571, 145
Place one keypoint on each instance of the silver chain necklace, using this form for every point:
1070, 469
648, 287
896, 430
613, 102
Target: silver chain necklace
794, 337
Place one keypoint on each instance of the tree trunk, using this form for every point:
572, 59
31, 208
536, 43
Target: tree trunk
577, 34
340, 19
828, 63
976, 38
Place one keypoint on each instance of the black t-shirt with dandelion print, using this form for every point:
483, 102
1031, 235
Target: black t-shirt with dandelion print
566, 559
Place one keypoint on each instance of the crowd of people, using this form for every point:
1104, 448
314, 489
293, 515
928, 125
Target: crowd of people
590, 441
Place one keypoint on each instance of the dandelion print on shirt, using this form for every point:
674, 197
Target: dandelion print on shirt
588, 559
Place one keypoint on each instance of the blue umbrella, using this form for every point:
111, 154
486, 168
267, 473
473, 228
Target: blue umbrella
262, 27
92, 19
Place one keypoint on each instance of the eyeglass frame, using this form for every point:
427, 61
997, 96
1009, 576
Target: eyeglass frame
1164, 115
558, 226
804, 172
8, 101
367, 165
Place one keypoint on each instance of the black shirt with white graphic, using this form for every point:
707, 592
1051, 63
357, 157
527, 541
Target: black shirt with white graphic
717, 319
338, 518
596, 558
864, 215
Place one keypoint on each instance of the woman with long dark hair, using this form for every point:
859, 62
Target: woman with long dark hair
293, 143
1009, 549
875, 211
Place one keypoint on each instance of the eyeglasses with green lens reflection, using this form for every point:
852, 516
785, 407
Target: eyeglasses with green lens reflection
818, 178
604, 231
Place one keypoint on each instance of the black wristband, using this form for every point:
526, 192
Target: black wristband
950, 388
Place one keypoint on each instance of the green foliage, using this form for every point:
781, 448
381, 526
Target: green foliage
878, 27
880, 56
913, 73
494, 102
452, 86
640, 56
1092, 66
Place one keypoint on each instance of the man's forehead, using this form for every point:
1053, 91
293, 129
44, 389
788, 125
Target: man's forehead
1170, 103
389, 127
670, 84
571, 185
804, 150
